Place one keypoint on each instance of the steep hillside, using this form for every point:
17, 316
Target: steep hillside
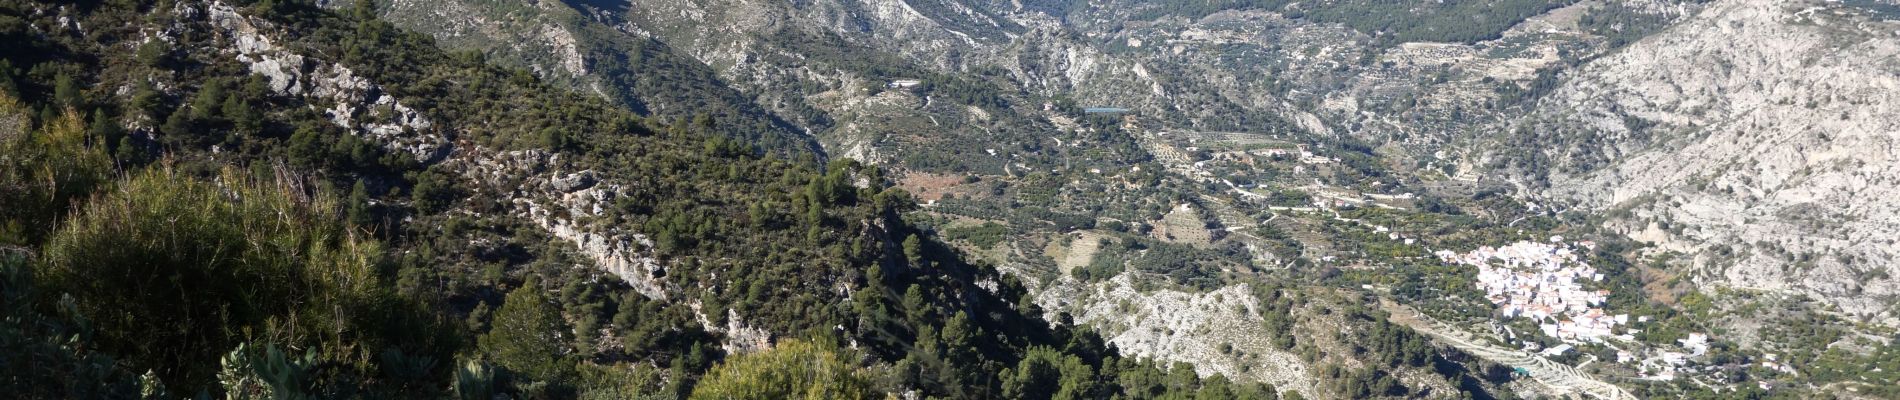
1203, 150
949, 198
1751, 142
498, 236
563, 46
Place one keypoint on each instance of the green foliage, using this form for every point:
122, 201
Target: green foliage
105, 131
1276, 313
793, 246
526, 338
792, 369
1180, 263
913, 249
244, 119
154, 53
209, 102
357, 207
983, 236
8, 87
436, 191
265, 373
1045, 373
66, 91
177, 124
145, 100
51, 355
474, 381
1397, 345
154, 263
556, 139
44, 172
321, 146
1622, 23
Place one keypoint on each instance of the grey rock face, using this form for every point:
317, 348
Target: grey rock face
1758, 138
356, 103
541, 190
566, 204
573, 182
1172, 326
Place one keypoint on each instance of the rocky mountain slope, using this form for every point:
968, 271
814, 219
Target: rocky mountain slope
560, 44
1202, 148
1754, 141
1632, 123
634, 255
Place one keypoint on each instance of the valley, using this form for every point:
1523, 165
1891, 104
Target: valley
1608, 199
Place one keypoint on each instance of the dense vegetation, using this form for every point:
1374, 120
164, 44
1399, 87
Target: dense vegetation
648, 77
1622, 23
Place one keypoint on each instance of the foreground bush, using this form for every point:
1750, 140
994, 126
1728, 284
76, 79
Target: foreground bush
174, 271
791, 370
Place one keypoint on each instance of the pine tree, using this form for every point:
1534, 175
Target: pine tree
434, 192
870, 298
914, 250
244, 119
959, 338
104, 128
177, 125
128, 151
66, 91
555, 139
8, 87
1034, 378
145, 100
210, 100
307, 147
525, 337
916, 306
758, 215
358, 206
154, 53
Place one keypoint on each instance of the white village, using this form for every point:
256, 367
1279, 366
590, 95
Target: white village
1545, 282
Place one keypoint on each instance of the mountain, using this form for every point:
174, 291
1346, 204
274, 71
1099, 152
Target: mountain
1745, 142
177, 205
947, 199
556, 44
1243, 115
474, 195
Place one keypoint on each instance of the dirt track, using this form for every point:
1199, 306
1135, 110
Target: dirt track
1562, 379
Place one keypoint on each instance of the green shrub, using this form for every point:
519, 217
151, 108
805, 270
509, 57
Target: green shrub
794, 369
174, 271
526, 338
43, 172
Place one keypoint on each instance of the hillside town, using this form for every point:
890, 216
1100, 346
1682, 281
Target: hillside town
1543, 282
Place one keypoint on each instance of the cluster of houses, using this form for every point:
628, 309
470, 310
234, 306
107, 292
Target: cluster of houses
1302, 154
1666, 365
1543, 282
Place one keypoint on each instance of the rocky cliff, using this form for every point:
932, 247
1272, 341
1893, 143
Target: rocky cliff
1755, 139
350, 101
